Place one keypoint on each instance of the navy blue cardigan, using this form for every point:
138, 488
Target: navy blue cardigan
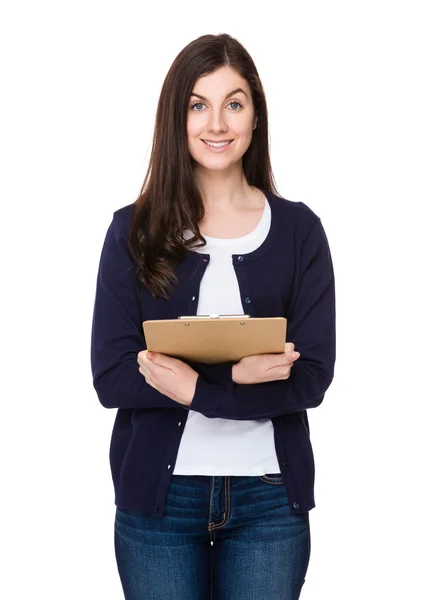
290, 274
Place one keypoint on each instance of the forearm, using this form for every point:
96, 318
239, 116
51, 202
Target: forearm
124, 387
304, 389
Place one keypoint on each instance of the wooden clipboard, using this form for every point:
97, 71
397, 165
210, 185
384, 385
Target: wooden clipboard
216, 338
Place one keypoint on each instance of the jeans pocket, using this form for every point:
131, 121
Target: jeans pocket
275, 478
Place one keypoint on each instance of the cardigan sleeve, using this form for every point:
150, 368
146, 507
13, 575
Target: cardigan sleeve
117, 336
311, 326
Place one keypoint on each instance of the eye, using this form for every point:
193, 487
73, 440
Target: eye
192, 106
235, 102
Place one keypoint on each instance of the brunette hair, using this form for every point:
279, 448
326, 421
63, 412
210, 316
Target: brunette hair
170, 200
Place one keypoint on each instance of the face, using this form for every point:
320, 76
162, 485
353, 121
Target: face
218, 112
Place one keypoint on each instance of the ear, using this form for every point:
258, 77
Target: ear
255, 122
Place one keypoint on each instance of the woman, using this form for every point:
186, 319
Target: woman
212, 465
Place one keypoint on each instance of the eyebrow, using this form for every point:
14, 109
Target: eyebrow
227, 96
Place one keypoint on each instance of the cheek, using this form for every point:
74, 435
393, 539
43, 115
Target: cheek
193, 128
244, 129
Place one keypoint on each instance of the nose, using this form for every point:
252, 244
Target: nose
216, 121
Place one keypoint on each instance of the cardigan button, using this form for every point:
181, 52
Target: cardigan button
296, 505
248, 300
240, 258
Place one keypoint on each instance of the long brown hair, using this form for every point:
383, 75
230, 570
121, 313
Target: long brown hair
170, 200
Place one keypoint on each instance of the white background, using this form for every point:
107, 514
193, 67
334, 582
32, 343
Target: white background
348, 86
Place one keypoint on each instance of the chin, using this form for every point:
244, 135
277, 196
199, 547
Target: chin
221, 167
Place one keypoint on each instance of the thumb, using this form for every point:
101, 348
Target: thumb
162, 360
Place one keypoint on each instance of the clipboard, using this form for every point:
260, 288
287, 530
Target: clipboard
216, 338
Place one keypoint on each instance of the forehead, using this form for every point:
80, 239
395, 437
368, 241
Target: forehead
220, 83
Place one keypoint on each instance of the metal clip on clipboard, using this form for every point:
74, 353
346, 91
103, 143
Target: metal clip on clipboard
215, 316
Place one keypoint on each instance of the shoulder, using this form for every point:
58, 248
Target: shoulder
125, 213
296, 215
122, 218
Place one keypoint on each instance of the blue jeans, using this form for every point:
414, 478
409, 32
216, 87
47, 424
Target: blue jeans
221, 538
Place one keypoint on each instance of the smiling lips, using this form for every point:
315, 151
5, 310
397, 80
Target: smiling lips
217, 146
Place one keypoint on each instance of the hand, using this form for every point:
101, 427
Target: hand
259, 368
168, 375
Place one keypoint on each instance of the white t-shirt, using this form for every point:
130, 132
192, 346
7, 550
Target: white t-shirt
226, 446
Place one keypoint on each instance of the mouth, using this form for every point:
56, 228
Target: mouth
217, 146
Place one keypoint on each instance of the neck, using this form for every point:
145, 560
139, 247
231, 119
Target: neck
222, 191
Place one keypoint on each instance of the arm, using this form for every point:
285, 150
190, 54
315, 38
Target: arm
311, 327
117, 335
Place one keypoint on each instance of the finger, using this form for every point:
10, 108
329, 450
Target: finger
282, 372
290, 352
147, 369
285, 358
150, 370
143, 358
149, 379
144, 371
141, 355
281, 364
287, 372
162, 360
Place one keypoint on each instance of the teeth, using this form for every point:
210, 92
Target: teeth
216, 145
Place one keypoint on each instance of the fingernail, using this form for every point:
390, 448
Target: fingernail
294, 354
